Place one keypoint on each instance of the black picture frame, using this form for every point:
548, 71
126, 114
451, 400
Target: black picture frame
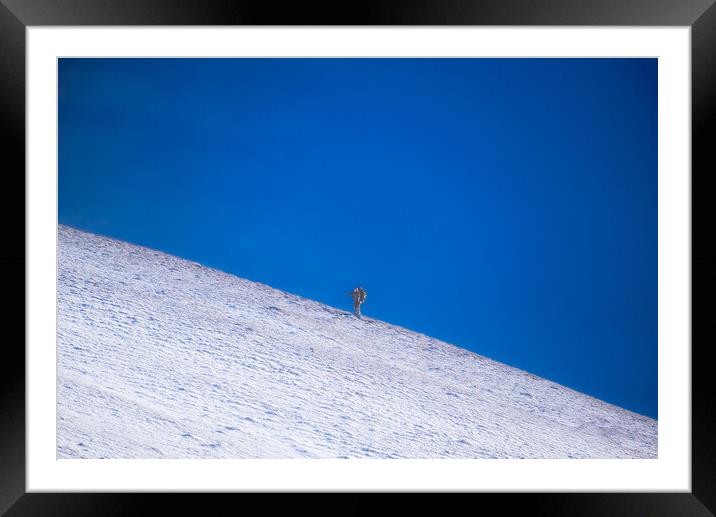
16, 15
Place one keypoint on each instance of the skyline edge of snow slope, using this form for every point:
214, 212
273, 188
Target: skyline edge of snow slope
161, 357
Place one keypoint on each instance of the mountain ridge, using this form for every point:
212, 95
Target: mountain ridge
163, 357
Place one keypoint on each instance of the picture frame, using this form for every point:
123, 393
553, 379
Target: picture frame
17, 15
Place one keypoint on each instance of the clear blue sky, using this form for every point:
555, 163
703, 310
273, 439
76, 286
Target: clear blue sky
508, 206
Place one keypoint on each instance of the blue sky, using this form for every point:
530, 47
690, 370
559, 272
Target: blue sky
508, 206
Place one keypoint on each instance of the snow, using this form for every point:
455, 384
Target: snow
160, 357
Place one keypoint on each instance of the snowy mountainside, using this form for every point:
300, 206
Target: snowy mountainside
159, 357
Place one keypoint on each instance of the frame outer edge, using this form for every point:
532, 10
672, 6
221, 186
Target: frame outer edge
703, 113
12, 258
12, 103
365, 12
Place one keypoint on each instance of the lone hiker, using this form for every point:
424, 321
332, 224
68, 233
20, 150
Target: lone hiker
358, 294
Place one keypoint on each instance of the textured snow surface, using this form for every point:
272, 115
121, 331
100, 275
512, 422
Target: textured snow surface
159, 357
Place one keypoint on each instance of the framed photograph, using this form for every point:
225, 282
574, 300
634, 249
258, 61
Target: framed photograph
212, 194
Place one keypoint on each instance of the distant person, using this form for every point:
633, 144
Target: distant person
358, 294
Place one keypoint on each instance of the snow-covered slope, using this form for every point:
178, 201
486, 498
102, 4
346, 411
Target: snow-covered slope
160, 357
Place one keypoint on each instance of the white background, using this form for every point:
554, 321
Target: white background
671, 471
